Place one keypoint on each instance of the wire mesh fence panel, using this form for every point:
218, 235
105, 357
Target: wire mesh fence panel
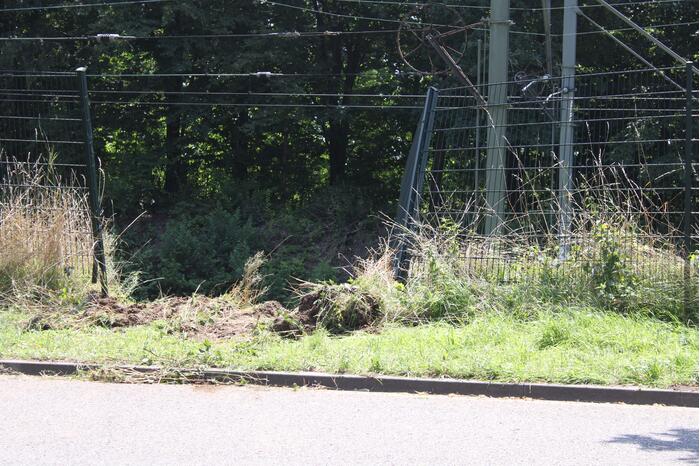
625, 194
43, 196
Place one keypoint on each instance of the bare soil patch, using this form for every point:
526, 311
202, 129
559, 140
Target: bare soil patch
198, 316
338, 308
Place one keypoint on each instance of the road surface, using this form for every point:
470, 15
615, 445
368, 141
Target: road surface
61, 421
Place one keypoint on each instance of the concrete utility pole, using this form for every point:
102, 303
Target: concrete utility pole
547, 18
497, 117
566, 130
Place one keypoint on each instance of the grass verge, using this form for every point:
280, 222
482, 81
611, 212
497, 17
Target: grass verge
563, 346
613, 311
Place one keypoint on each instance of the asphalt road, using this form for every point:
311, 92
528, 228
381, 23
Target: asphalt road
60, 421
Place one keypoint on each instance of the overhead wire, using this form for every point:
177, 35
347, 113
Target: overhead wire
630, 50
350, 16
271, 34
296, 34
256, 105
386, 2
258, 74
266, 94
299, 34
79, 5
630, 3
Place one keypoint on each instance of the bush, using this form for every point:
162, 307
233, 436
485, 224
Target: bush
205, 252
193, 246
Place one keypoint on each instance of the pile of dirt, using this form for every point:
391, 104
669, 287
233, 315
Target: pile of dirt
338, 308
198, 316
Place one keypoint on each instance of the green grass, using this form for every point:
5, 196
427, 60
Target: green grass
569, 346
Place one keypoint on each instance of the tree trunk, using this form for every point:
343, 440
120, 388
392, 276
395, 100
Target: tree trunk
344, 58
174, 167
338, 137
240, 157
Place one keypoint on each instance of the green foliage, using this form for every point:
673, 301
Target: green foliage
614, 281
258, 177
205, 251
196, 247
609, 268
553, 334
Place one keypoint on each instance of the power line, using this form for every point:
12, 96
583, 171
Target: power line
631, 3
584, 33
268, 74
645, 34
80, 5
266, 94
258, 74
486, 7
260, 105
272, 35
351, 16
381, 2
389, 2
631, 50
294, 34
651, 26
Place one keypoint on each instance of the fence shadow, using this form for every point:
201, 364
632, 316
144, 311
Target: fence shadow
678, 440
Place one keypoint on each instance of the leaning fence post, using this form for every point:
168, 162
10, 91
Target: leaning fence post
412, 182
688, 168
99, 263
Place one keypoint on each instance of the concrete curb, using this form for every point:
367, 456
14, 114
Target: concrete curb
585, 393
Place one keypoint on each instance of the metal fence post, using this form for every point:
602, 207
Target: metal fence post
412, 182
99, 264
688, 166
566, 128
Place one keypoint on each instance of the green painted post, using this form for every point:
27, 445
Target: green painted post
477, 137
413, 177
99, 264
688, 215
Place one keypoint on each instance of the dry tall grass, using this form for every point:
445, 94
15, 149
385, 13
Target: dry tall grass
45, 236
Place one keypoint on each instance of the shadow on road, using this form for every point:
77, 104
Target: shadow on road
680, 440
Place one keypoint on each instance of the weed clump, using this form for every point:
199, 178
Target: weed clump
337, 307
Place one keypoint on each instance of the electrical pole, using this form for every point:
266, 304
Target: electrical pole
496, 115
547, 18
566, 130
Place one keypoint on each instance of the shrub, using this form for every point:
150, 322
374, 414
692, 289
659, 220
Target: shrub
205, 252
193, 246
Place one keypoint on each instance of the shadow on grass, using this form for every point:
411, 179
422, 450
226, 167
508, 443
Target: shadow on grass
680, 440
